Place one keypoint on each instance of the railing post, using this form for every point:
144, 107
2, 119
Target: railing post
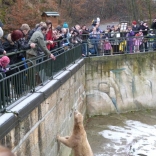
2, 94
31, 75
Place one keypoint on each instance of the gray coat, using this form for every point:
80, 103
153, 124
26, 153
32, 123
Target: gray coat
38, 39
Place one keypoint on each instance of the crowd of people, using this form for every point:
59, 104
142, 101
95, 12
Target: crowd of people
44, 38
122, 38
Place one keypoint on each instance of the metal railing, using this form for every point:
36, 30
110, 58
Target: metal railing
119, 45
25, 76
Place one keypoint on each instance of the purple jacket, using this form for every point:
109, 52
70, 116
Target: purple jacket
129, 35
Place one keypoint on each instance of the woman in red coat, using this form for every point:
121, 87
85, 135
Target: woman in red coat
49, 35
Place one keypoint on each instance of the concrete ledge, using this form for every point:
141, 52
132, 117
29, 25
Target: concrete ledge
9, 120
141, 55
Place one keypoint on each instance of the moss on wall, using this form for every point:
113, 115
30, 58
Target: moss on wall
138, 62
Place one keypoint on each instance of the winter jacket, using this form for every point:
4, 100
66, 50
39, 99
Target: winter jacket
49, 36
38, 39
107, 46
135, 28
9, 45
153, 26
1, 48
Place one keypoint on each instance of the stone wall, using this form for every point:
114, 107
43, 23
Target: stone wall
120, 83
106, 84
33, 132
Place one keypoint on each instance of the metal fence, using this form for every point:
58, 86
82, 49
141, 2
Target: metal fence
118, 45
24, 77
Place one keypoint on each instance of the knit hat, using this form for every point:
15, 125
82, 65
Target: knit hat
65, 25
1, 32
4, 61
134, 22
16, 35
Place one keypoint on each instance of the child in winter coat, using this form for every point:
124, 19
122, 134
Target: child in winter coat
138, 42
107, 47
4, 85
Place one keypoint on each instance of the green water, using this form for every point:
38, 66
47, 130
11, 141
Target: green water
128, 134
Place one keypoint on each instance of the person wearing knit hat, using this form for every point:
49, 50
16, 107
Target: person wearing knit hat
134, 22
16, 35
4, 88
4, 61
4, 85
13, 43
135, 27
10, 44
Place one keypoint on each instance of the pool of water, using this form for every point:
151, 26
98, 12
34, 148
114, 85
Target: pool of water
129, 134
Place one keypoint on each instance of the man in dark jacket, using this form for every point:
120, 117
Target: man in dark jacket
153, 25
145, 30
135, 27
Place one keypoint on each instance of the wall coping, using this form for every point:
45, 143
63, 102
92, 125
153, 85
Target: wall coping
120, 56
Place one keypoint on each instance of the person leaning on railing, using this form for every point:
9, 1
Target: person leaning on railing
38, 39
13, 42
4, 86
144, 27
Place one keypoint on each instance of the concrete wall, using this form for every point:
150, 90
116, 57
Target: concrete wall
120, 83
109, 84
44, 114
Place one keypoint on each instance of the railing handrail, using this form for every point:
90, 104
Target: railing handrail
24, 81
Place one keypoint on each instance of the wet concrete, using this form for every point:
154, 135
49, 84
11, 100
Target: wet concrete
129, 134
